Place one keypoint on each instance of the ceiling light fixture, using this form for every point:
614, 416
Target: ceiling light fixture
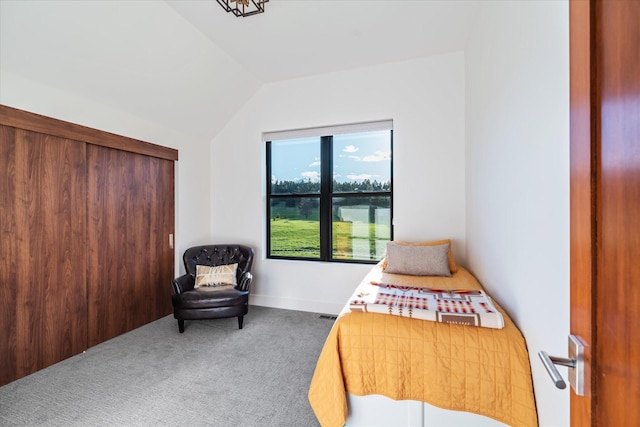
243, 7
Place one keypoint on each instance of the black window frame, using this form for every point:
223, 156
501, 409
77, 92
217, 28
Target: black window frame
325, 196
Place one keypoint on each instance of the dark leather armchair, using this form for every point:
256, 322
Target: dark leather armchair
190, 303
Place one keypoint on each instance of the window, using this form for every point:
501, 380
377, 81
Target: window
329, 192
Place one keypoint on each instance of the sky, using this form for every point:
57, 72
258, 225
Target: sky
356, 157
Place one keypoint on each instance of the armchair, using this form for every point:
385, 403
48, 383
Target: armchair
191, 302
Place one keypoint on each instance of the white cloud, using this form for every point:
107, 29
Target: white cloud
378, 156
350, 149
360, 177
316, 163
311, 175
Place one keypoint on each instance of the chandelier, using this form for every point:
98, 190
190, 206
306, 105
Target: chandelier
243, 7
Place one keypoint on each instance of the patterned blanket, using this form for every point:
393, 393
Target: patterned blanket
460, 306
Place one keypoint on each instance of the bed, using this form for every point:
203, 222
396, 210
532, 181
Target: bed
416, 372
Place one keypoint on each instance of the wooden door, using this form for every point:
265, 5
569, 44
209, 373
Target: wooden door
605, 208
131, 215
43, 307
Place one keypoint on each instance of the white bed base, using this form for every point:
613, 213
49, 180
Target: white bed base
380, 411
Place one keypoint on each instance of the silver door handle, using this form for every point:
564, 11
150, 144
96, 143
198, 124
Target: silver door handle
575, 363
549, 362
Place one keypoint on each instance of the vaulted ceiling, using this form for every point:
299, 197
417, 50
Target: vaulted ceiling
300, 38
189, 65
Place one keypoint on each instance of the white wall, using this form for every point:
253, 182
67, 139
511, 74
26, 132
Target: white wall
140, 57
425, 99
517, 184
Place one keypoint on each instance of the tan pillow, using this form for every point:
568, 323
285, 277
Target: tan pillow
452, 263
431, 260
219, 275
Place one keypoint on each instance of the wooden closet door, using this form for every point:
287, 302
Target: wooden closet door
130, 217
43, 305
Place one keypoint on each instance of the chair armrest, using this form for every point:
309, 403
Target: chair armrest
245, 282
183, 283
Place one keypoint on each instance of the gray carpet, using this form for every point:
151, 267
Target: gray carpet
212, 375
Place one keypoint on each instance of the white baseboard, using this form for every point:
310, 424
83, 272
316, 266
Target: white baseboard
296, 304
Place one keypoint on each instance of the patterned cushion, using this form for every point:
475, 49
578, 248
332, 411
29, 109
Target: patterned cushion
418, 260
220, 275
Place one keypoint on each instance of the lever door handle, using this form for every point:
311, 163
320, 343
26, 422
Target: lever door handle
549, 362
575, 363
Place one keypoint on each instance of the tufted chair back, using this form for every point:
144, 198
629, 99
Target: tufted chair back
213, 255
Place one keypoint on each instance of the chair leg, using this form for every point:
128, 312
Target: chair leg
240, 321
181, 325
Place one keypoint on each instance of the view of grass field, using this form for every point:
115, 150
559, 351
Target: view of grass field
280, 211
360, 227
301, 238
295, 238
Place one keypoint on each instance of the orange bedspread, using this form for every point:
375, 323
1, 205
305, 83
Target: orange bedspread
459, 367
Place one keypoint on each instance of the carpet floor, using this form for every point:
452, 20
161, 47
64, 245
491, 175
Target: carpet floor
213, 374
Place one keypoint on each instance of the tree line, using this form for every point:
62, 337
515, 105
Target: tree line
309, 186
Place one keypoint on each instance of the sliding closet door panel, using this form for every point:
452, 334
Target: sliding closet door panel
130, 216
162, 221
43, 251
8, 249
